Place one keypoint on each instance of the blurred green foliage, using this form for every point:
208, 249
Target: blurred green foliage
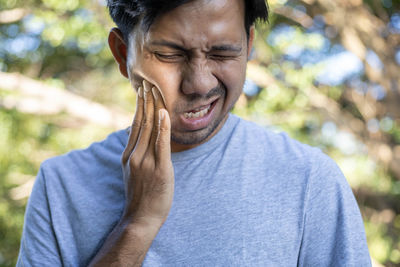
27, 140
63, 44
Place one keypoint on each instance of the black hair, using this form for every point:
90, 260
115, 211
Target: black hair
128, 13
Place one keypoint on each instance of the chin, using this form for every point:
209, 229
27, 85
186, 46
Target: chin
192, 138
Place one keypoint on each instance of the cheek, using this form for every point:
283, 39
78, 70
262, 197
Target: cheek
164, 76
168, 79
233, 76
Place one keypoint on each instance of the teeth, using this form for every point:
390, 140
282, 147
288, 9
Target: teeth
197, 114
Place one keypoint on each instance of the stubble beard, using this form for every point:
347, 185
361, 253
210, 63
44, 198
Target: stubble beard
196, 137
199, 136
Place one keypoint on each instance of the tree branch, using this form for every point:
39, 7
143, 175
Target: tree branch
12, 15
39, 98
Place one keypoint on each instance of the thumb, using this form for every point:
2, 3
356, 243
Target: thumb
163, 142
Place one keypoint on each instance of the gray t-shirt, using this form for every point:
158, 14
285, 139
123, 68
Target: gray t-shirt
247, 197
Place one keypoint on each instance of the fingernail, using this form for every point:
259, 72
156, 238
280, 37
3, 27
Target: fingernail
146, 89
154, 93
140, 91
161, 114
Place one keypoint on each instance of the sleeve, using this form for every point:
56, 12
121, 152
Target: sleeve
38, 243
333, 233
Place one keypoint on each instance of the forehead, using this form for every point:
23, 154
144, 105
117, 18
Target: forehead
200, 23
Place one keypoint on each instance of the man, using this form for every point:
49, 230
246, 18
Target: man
197, 187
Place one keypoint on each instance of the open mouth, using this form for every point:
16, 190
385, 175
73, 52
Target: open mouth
199, 112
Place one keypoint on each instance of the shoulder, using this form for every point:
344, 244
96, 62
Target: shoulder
104, 152
86, 179
85, 170
279, 147
289, 162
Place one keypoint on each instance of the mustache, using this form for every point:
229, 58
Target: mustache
196, 99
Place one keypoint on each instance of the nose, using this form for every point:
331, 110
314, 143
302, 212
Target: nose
198, 78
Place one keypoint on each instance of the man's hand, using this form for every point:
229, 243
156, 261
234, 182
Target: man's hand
149, 183
147, 166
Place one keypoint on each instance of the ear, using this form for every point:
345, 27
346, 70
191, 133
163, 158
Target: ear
118, 49
250, 41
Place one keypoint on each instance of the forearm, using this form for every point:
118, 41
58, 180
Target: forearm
149, 183
127, 244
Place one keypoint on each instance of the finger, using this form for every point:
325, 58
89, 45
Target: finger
147, 121
159, 104
160, 95
163, 142
135, 127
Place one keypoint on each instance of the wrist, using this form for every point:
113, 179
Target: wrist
143, 227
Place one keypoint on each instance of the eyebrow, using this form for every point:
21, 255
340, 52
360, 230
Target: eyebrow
228, 48
168, 44
222, 48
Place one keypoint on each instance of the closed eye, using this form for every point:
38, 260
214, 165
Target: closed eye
169, 57
222, 57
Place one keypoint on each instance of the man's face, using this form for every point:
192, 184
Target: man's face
196, 54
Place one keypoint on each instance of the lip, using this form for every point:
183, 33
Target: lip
193, 124
203, 105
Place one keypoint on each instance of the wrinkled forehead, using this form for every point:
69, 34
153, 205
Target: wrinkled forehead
195, 23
